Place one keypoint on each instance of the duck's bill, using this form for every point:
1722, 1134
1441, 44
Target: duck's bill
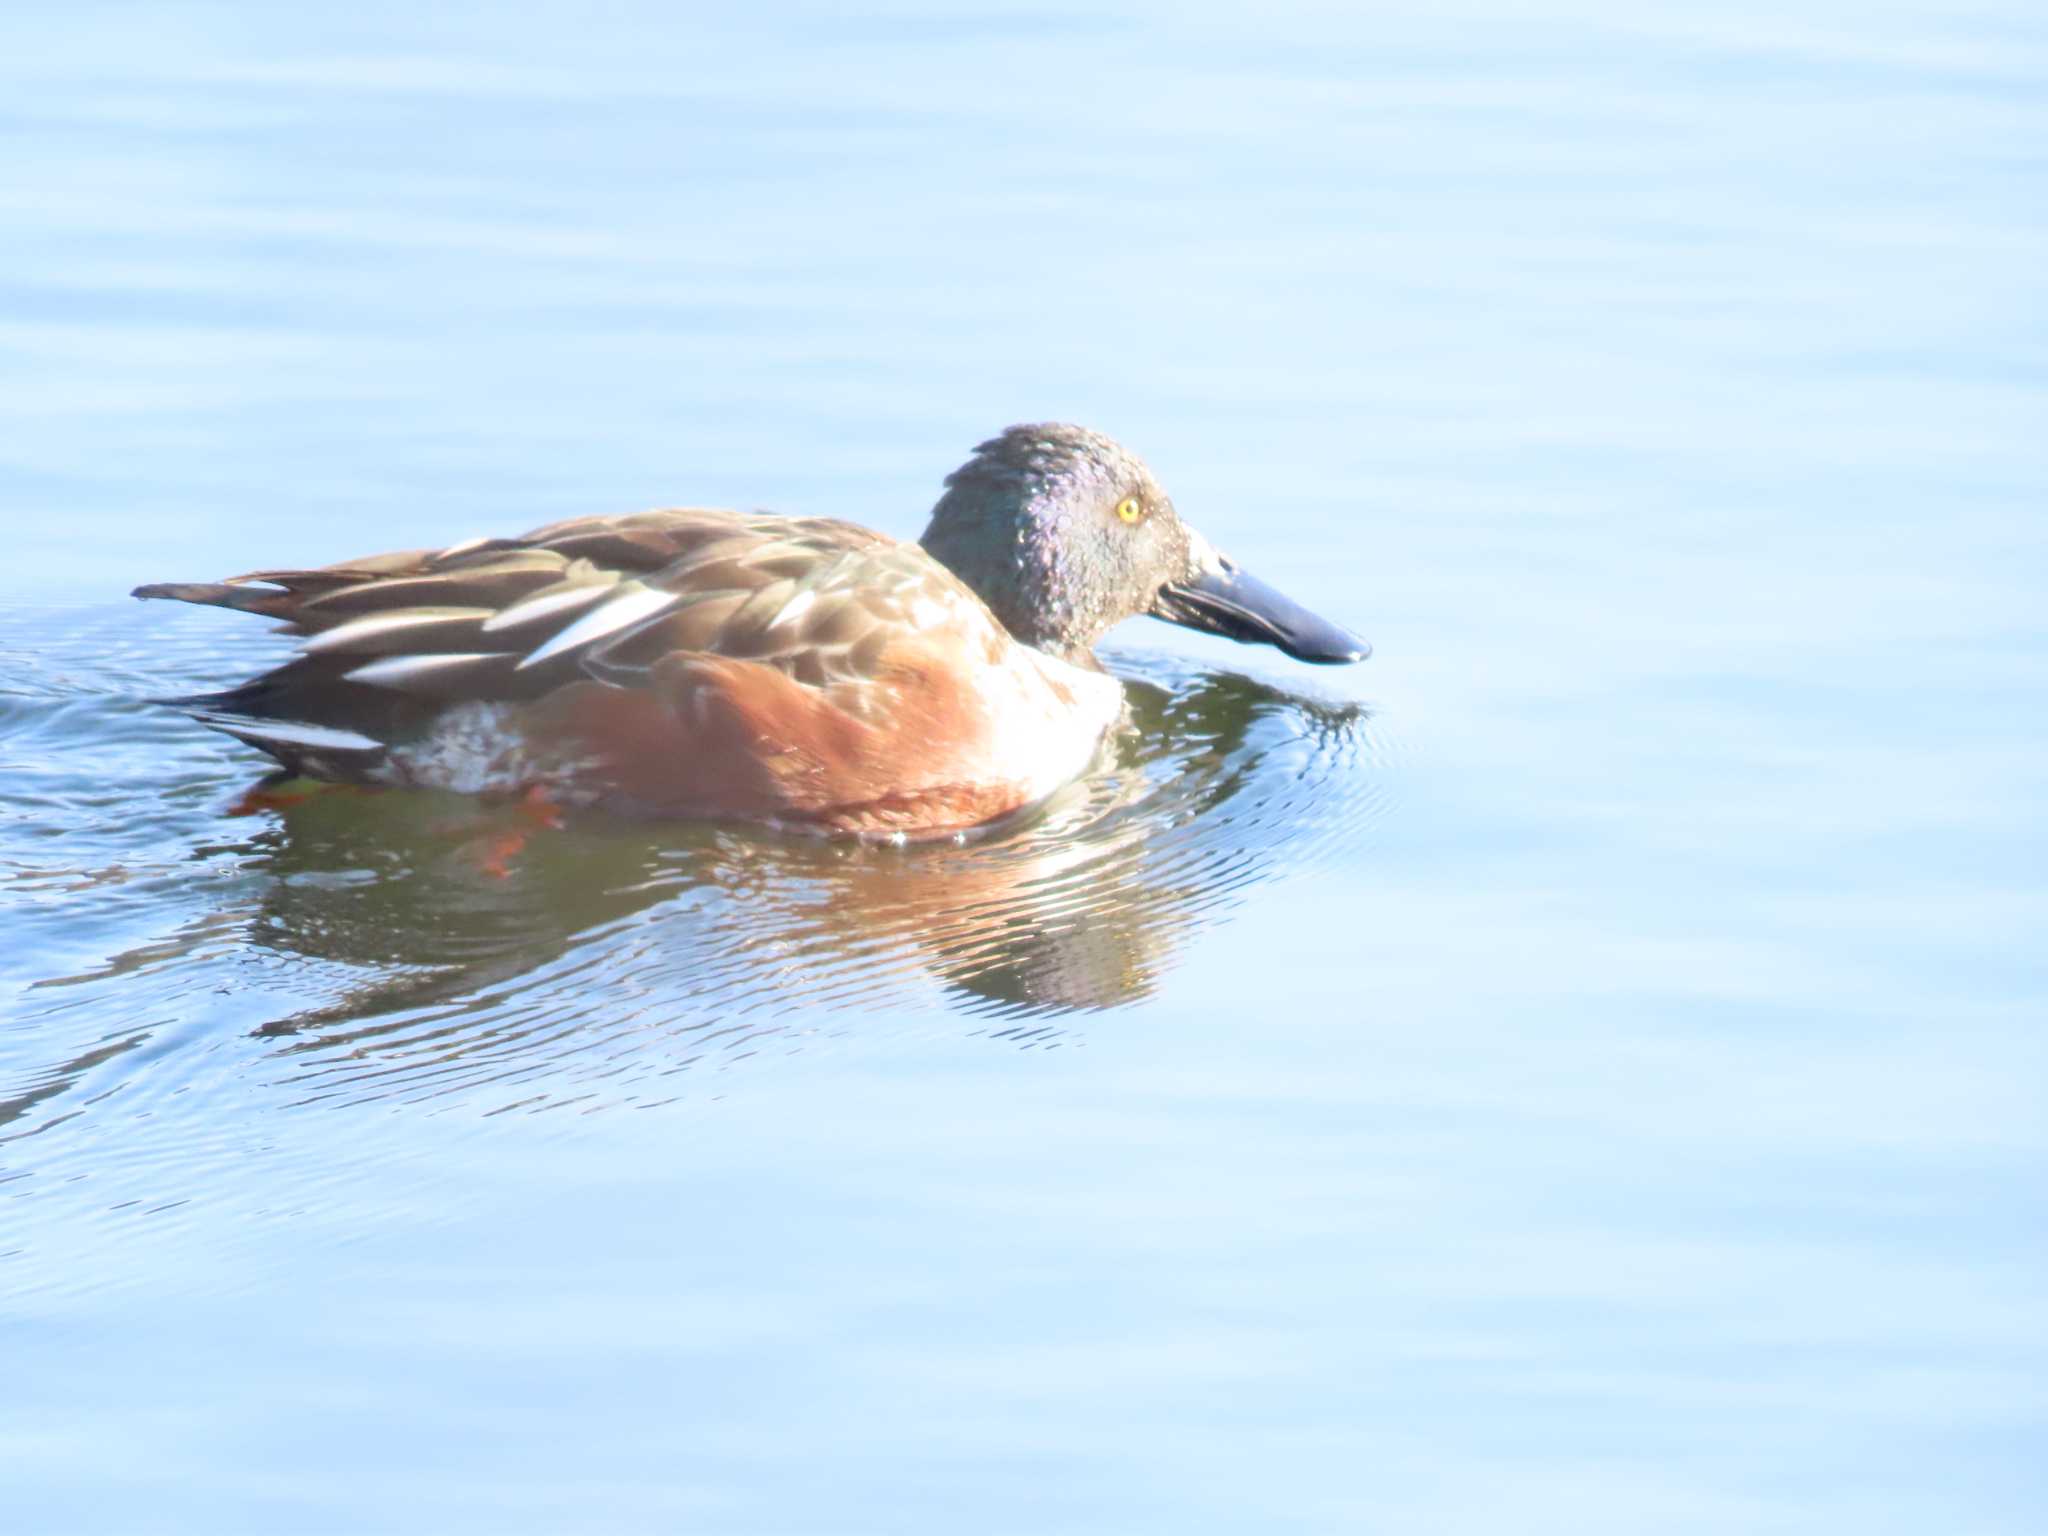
1220, 598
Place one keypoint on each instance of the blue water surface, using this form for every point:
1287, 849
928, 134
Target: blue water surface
1582, 1071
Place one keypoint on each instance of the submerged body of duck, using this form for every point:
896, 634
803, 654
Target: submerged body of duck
796, 671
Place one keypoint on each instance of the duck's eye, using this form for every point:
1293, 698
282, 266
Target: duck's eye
1129, 510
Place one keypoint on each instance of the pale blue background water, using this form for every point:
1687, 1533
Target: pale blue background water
1634, 1121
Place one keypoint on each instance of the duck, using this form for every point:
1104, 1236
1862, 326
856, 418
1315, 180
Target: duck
802, 673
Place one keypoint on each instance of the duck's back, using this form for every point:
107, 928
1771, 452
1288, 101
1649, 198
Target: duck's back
689, 661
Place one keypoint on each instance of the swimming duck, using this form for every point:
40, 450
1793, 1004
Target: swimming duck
801, 672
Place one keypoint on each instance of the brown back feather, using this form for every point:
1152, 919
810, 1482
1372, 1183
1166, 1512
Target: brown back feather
813, 598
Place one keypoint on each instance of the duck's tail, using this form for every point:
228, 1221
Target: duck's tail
304, 713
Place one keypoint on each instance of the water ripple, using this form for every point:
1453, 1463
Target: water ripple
355, 948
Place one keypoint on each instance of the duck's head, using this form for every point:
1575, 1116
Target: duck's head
1063, 534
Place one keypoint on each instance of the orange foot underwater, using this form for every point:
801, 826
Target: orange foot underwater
799, 672
495, 851
279, 792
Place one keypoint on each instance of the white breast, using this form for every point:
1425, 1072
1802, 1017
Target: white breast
1055, 741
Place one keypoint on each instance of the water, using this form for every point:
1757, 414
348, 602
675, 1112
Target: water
1581, 1070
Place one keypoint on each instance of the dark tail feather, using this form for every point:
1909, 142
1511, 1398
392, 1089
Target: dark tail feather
304, 713
220, 594
311, 751
311, 691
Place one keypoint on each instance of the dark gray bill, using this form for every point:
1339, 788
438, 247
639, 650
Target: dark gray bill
1227, 601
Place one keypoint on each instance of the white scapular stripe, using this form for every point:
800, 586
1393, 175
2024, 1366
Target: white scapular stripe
633, 604
794, 609
374, 624
464, 547
292, 733
555, 600
397, 671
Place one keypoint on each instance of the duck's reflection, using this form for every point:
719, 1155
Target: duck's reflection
596, 930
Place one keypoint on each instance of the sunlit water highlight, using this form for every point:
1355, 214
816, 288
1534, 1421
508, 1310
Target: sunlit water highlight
1580, 1072
367, 945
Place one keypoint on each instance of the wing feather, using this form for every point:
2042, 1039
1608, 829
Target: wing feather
389, 640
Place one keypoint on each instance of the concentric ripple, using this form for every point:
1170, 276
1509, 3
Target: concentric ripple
358, 947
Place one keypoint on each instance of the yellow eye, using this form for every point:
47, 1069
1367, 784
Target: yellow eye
1129, 510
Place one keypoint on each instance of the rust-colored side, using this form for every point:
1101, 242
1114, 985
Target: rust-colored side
721, 737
